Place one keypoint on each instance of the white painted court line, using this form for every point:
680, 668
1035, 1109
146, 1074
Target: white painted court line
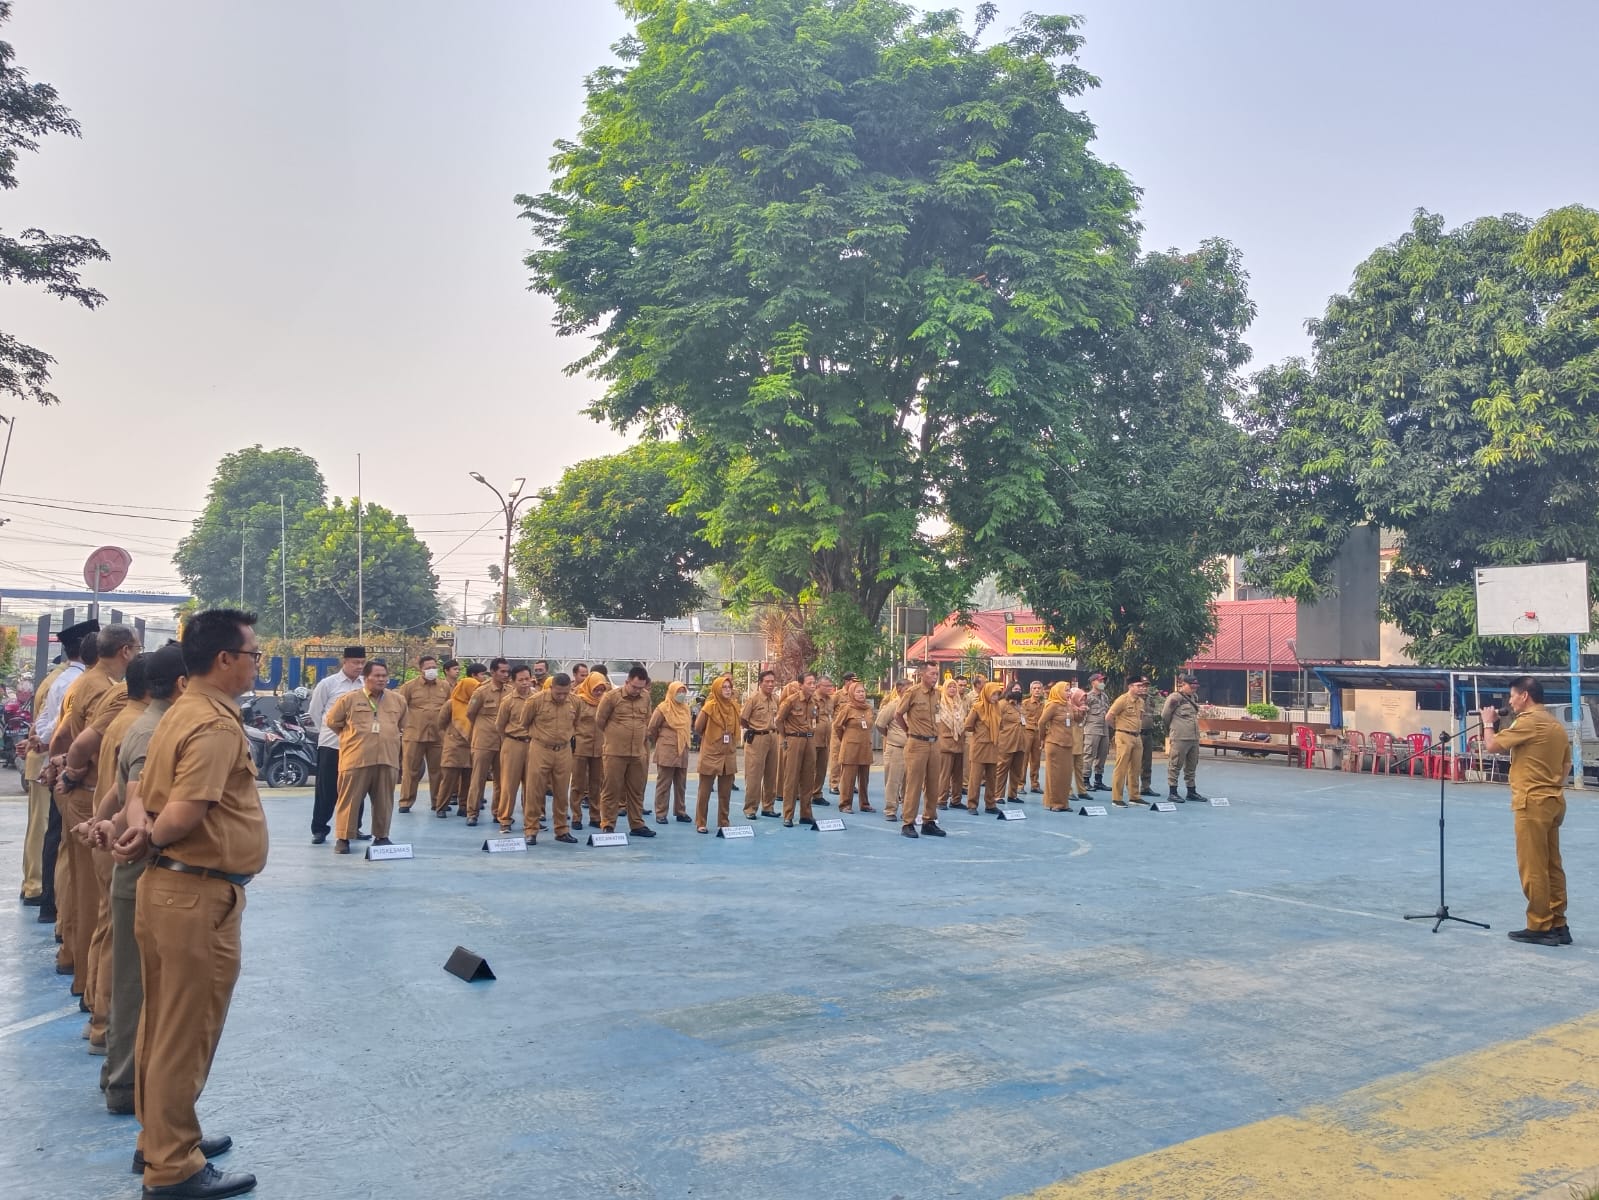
33, 1022
1348, 912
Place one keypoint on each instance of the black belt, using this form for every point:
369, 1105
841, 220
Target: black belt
759, 732
172, 864
556, 745
1130, 733
804, 735
514, 738
920, 738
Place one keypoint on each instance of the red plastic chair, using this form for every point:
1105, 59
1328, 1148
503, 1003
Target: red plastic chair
1445, 763
1420, 753
1305, 739
1382, 752
1354, 749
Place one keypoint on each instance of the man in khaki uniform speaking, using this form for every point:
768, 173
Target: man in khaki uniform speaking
423, 747
1540, 764
481, 713
621, 720
759, 718
370, 724
208, 836
1125, 719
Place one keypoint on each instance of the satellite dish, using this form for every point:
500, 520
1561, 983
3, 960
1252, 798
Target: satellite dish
106, 568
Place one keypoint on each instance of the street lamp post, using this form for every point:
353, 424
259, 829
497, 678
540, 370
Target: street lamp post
509, 504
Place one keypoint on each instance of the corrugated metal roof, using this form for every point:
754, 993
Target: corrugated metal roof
1251, 635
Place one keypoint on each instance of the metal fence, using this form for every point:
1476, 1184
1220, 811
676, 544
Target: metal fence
608, 641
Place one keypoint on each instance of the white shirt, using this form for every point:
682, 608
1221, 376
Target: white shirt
53, 700
323, 697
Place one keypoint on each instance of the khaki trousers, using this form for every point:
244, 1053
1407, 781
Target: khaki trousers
799, 778
760, 774
1124, 780
127, 987
356, 786
1013, 773
588, 781
1096, 748
852, 780
834, 774
98, 992
483, 764
1034, 754
980, 775
549, 770
624, 790
1079, 762
920, 790
819, 773
1182, 754
414, 756
79, 903
671, 788
1059, 772
724, 801
1146, 768
512, 772
893, 780
1543, 876
949, 779
188, 932
38, 822
451, 783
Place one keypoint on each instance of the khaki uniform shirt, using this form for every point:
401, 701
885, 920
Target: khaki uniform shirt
796, 716
551, 725
199, 753
824, 719
1540, 758
1032, 714
426, 701
852, 732
111, 739
670, 750
136, 745
511, 719
983, 748
622, 721
1181, 715
1055, 724
1126, 715
1098, 705
1012, 734
718, 747
760, 712
917, 709
481, 711
94, 696
893, 735
587, 731
370, 731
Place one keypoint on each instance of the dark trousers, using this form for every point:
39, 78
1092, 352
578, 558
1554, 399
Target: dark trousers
52, 848
327, 793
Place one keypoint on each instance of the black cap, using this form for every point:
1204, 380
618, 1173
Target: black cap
1188, 679
76, 633
355, 652
1136, 679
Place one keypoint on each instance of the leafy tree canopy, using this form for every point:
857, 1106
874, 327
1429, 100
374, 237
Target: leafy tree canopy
399, 590
851, 255
241, 518
610, 541
1139, 498
28, 112
1453, 397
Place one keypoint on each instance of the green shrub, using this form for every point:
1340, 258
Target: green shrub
1265, 712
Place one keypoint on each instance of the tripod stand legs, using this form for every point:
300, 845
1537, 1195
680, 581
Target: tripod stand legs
1440, 916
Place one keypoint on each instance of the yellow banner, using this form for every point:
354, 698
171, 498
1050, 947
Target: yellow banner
1031, 638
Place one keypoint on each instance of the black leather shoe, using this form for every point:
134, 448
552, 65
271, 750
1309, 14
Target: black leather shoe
362, 835
769, 814
47, 914
212, 1147
822, 800
533, 839
1149, 792
381, 842
1535, 937
931, 829
207, 1183
1196, 797
684, 819
788, 824
1562, 934
319, 839
641, 831
908, 831
662, 821
341, 846
32, 901
565, 837
1084, 797
443, 812
471, 821
63, 970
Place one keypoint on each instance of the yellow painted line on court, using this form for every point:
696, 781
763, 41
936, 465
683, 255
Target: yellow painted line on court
1506, 1121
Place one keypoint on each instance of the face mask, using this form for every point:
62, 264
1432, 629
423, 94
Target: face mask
430, 673
1099, 685
682, 697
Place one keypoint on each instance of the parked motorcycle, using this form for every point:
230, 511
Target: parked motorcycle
284, 756
14, 734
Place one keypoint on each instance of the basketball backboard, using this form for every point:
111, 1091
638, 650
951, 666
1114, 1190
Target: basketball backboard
1543, 599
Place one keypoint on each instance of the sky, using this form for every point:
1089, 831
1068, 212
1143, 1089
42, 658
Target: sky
309, 210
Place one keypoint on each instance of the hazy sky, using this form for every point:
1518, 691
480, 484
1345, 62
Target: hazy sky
308, 206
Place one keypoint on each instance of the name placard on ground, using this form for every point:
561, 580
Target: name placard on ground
830, 825
505, 845
736, 831
1013, 814
1163, 806
607, 839
385, 853
1220, 802
1092, 810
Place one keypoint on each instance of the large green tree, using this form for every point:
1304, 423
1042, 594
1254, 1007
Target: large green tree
1139, 500
28, 112
610, 540
241, 523
852, 255
1454, 398
398, 592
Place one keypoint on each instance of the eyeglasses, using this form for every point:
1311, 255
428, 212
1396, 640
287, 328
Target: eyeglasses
258, 655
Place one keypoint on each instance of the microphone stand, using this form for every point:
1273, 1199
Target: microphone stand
1442, 913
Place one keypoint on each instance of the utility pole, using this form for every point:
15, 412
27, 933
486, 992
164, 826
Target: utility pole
360, 554
242, 528
509, 504
283, 562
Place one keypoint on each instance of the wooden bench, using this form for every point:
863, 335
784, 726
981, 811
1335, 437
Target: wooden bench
1220, 734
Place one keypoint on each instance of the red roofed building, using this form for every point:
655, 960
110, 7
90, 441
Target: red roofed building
1251, 635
